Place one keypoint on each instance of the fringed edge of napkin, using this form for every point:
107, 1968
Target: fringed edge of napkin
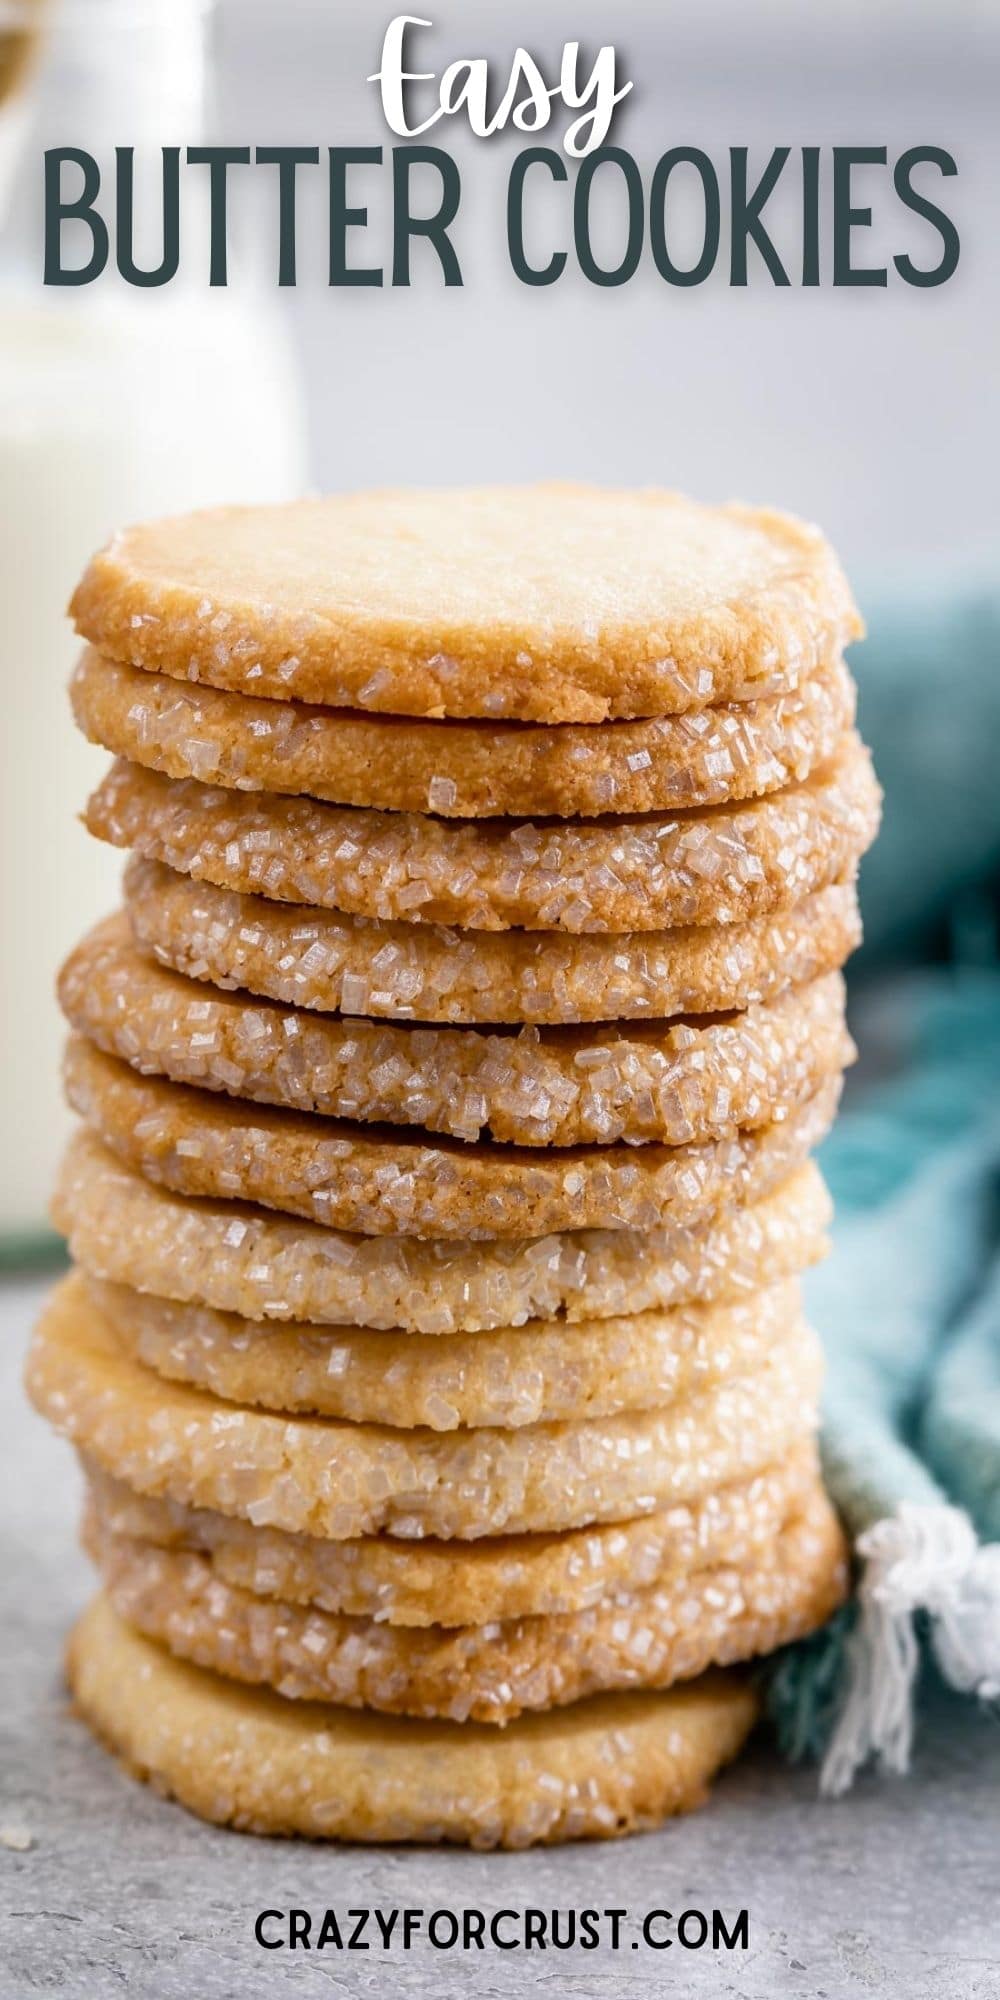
847, 1694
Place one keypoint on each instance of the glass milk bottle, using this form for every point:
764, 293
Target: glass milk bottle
115, 404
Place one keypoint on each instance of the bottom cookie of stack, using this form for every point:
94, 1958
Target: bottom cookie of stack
251, 1759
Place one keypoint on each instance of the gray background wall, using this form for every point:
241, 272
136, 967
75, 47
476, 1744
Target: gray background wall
874, 412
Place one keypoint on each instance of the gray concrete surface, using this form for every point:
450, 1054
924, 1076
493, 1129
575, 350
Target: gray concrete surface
893, 1892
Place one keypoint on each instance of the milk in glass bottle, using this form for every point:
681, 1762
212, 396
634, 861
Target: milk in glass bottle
116, 404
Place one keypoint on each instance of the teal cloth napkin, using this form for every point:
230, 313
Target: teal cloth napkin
909, 1303
909, 1310
929, 705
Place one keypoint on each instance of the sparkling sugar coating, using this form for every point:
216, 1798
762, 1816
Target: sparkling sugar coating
383, 1182
433, 1351
552, 603
321, 1476
545, 1372
675, 1083
648, 873
713, 1616
612, 1765
471, 1583
469, 770
327, 962
263, 1266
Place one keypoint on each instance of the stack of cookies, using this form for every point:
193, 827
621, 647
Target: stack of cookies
448, 1082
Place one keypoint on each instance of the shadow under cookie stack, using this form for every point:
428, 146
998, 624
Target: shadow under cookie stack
435, 1350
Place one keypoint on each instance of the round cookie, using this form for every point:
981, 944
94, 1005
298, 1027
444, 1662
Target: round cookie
549, 603
675, 1083
548, 1371
251, 1759
325, 1477
464, 770
715, 1615
471, 1583
260, 1265
360, 1179
329, 963
650, 873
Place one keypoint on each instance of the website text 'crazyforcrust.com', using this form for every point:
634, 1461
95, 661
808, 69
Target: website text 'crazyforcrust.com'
502, 1930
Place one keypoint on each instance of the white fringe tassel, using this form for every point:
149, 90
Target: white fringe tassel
922, 1558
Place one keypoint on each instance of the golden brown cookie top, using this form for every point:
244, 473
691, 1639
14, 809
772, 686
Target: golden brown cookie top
550, 603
